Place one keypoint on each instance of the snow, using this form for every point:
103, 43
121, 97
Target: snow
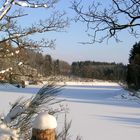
17, 51
6, 133
23, 3
4, 5
7, 86
45, 121
2, 71
27, 4
138, 93
4, 137
97, 112
20, 63
15, 112
6, 70
108, 122
45, 5
7, 2
94, 83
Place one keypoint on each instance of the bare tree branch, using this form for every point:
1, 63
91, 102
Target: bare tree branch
5, 8
119, 15
8, 4
20, 37
35, 4
54, 23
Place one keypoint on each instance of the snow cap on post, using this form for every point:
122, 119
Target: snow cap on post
44, 127
45, 121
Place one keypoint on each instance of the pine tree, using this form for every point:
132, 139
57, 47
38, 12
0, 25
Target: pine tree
133, 73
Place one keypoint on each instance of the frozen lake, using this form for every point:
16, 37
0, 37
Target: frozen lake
97, 112
86, 94
90, 92
83, 93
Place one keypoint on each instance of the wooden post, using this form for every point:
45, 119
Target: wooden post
44, 127
48, 134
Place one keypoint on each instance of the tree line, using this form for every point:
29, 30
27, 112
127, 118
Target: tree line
15, 63
46, 65
130, 74
22, 59
32, 63
28, 63
99, 70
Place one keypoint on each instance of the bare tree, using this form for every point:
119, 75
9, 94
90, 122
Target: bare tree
8, 4
14, 34
118, 15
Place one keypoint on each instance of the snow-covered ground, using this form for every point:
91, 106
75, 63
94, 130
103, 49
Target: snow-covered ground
99, 112
105, 122
94, 83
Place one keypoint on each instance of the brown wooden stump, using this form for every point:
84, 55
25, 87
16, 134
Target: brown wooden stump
48, 134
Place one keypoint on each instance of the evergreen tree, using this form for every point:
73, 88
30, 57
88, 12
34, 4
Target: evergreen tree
56, 67
47, 65
133, 73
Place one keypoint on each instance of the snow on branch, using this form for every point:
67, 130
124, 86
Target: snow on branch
7, 133
26, 3
7, 5
5, 8
6, 70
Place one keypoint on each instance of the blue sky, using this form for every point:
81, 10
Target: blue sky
68, 48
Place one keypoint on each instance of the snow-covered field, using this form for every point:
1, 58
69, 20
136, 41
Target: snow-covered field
99, 112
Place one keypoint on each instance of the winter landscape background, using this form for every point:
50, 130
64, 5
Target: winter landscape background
101, 111
90, 46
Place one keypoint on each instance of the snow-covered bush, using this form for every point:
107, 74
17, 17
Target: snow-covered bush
7, 133
24, 111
